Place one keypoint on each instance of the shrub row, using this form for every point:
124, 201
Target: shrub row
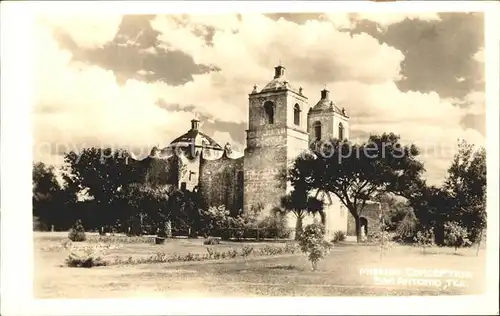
88, 259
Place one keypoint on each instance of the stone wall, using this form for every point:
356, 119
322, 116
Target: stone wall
371, 212
271, 148
257, 115
190, 171
158, 170
221, 182
293, 99
262, 183
329, 125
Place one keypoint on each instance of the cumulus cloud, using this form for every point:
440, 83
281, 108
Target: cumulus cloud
80, 105
388, 18
245, 54
346, 20
224, 138
83, 103
86, 31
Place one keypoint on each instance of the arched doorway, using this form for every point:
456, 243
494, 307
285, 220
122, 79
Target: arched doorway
364, 227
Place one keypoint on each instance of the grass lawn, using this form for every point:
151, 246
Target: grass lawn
285, 275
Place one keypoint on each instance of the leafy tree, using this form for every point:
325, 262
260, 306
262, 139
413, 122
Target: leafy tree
398, 216
299, 202
185, 211
432, 208
356, 173
187, 214
52, 200
101, 174
425, 238
455, 235
312, 242
77, 232
151, 203
45, 190
466, 185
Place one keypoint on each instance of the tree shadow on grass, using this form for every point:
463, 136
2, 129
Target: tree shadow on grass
285, 267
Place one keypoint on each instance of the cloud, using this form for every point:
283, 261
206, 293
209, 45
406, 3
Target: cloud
386, 19
144, 72
424, 119
224, 137
86, 31
479, 56
316, 53
80, 103
346, 20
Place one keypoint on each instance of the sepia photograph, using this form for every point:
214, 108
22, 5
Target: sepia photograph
253, 154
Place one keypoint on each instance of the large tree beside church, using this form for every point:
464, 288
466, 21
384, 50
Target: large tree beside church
466, 186
100, 173
357, 173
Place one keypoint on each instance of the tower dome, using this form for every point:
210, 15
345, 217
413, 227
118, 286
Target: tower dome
325, 104
279, 82
194, 141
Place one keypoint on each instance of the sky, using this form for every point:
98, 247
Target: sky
135, 82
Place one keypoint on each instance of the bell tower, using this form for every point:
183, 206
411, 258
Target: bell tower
277, 133
326, 120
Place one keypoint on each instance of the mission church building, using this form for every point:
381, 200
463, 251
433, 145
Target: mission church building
281, 125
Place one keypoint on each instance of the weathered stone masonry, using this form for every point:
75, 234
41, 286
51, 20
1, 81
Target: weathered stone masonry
281, 125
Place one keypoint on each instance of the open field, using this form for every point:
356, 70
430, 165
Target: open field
284, 275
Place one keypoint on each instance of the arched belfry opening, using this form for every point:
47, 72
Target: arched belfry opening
341, 132
296, 115
317, 130
269, 110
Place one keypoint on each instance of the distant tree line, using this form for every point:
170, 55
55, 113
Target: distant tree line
138, 197
108, 191
381, 169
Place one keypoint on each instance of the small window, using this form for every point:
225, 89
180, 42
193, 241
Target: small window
317, 130
183, 186
341, 131
269, 110
296, 115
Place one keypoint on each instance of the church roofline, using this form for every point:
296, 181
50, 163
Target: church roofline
224, 156
331, 110
280, 90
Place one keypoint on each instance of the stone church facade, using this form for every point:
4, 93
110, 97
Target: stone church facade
281, 125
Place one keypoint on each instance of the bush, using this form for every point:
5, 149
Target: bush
312, 242
425, 238
339, 236
211, 241
383, 239
455, 235
76, 261
77, 232
87, 256
274, 226
405, 229
246, 251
